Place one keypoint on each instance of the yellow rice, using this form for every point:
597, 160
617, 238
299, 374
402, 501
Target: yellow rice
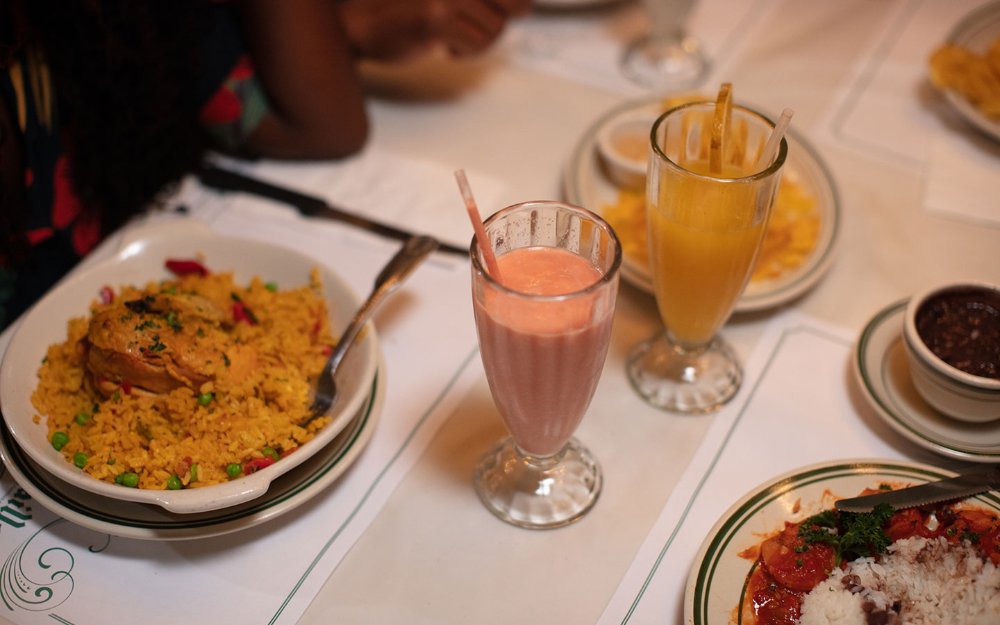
172, 434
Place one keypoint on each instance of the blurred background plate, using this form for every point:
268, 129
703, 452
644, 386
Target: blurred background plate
586, 184
976, 32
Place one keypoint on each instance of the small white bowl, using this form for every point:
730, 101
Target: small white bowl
953, 391
623, 144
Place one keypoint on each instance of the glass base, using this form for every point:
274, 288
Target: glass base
690, 381
538, 493
665, 62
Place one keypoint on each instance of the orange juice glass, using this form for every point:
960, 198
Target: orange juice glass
706, 218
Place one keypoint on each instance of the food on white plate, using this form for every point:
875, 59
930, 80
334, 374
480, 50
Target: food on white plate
185, 382
918, 566
792, 233
974, 76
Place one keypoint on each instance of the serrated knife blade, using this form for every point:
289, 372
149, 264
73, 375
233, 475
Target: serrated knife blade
970, 483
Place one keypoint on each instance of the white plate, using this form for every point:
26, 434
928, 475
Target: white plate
883, 374
141, 259
135, 520
715, 583
976, 31
587, 185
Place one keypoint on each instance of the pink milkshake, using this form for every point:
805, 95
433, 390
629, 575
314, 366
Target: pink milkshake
544, 321
543, 357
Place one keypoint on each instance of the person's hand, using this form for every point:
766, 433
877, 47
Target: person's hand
397, 29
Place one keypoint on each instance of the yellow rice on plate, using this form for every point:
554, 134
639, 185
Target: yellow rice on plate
187, 437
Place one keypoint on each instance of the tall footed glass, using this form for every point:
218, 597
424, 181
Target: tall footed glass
544, 328
666, 57
708, 202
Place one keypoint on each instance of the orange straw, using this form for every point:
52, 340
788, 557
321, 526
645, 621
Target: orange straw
477, 225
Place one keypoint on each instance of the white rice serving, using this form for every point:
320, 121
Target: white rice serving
920, 581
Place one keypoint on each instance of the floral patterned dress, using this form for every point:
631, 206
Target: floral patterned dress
57, 229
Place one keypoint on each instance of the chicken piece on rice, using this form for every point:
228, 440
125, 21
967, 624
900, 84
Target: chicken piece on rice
161, 342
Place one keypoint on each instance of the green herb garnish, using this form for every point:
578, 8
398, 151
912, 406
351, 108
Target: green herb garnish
851, 534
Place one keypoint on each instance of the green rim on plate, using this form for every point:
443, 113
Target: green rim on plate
717, 580
131, 519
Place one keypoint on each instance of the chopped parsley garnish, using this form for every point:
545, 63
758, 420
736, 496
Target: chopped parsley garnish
157, 346
146, 325
171, 319
851, 534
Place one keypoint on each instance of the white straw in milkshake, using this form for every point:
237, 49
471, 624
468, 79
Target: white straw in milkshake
477, 225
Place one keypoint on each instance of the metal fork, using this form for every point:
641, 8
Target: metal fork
398, 268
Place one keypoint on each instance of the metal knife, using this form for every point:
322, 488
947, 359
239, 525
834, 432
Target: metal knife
312, 206
965, 485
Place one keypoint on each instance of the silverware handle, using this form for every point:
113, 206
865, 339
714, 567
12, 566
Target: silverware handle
395, 272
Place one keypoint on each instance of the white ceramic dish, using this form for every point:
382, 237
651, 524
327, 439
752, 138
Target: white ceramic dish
143, 522
883, 375
140, 259
715, 583
622, 145
952, 391
586, 184
976, 31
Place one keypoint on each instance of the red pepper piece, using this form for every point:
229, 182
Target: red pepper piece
126, 387
242, 313
107, 295
186, 266
256, 464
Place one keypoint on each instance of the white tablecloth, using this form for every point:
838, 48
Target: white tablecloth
415, 546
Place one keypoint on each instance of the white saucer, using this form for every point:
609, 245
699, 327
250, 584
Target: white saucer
883, 374
130, 519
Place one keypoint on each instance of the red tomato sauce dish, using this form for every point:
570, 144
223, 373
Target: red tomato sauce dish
936, 564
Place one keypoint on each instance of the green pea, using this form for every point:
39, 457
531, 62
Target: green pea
174, 483
128, 479
271, 452
233, 469
271, 286
59, 440
80, 459
82, 418
205, 399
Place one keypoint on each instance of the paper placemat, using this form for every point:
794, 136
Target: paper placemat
798, 407
55, 571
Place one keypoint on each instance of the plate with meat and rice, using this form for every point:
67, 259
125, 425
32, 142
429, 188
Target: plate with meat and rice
783, 555
129, 519
178, 372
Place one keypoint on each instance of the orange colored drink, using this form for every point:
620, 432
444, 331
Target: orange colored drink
704, 237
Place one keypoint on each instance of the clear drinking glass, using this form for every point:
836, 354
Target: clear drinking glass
706, 222
544, 330
666, 57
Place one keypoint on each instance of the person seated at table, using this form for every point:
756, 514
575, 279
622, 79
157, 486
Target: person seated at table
105, 103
